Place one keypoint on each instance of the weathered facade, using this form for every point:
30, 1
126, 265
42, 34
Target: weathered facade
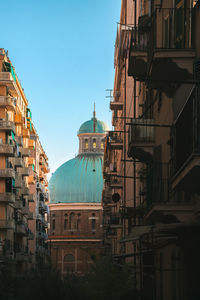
159, 231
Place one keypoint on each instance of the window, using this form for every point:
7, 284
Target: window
94, 145
86, 143
102, 144
93, 224
53, 224
65, 224
72, 221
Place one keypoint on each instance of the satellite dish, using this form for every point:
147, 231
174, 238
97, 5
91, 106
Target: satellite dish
115, 197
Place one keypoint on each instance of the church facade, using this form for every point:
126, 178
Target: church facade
75, 235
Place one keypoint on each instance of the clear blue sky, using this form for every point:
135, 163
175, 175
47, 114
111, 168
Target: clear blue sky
63, 55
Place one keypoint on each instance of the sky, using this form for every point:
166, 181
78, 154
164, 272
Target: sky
63, 54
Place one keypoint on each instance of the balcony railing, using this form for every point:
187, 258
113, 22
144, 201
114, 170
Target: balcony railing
141, 131
7, 125
115, 140
25, 152
17, 161
26, 133
23, 171
7, 173
8, 102
7, 197
7, 224
7, 149
22, 228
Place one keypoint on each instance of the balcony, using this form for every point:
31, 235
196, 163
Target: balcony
26, 133
21, 228
23, 171
138, 54
7, 197
171, 48
7, 224
6, 78
25, 152
115, 141
18, 182
25, 190
7, 149
31, 144
17, 161
31, 161
18, 119
141, 139
185, 163
116, 105
164, 43
8, 102
18, 204
19, 140
7, 173
31, 179
7, 125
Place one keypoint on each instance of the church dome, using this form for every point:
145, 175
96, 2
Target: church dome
93, 126
79, 180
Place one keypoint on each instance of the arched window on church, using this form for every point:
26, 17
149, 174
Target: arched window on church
102, 144
78, 221
69, 258
53, 224
65, 221
93, 222
94, 144
72, 221
86, 143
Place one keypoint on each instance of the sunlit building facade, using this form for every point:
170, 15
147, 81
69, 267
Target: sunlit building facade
21, 171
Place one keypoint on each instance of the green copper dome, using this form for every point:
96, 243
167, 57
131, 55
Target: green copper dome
93, 126
79, 180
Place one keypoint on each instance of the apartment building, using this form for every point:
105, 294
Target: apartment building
17, 170
162, 56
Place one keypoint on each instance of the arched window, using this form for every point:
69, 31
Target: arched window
93, 222
69, 258
72, 221
53, 224
65, 221
102, 144
94, 144
86, 143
